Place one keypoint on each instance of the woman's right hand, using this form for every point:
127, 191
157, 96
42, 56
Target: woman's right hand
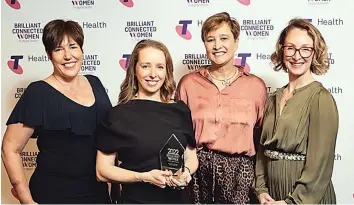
264, 198
15, 139
156, 177
15, 194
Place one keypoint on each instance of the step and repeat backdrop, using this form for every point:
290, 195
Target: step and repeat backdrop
113, 27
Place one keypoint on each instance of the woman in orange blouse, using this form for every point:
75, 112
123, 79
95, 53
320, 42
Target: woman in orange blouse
227, 105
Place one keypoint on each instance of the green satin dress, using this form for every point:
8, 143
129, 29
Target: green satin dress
308, 125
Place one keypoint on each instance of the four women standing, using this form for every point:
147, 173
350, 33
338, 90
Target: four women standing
221, 110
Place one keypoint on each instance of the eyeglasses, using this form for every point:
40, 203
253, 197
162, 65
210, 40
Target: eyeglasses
290, 51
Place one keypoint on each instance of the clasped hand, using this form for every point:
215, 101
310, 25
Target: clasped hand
180, 180
266, 199
166, 178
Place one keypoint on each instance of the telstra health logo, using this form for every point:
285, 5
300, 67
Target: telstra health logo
14, 64
245, 2
127, 3
15, 4
182, 29
242, 61
124, 61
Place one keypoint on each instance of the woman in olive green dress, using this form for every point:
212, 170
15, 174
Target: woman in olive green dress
295, 160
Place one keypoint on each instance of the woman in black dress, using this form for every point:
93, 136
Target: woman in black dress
63, 111
139, 126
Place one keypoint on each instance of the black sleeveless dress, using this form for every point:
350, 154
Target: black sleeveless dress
65, 172
137, 131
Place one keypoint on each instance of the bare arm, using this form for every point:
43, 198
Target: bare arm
106, 171
15, 139
191, 159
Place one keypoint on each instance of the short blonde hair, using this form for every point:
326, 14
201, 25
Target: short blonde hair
129, 87
217, 20
320, 64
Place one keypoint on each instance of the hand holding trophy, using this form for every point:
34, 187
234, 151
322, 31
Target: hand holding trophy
172, 159
180, 181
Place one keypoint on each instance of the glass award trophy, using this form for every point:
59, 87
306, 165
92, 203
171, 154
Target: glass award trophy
172, 155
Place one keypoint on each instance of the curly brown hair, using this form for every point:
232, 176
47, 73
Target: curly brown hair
320, 64
129, 87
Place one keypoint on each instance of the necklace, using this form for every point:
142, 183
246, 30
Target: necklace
71, 91
225, 82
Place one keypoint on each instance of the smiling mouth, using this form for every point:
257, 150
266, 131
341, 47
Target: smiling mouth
69, 65
219, 53
297, 64
151, 82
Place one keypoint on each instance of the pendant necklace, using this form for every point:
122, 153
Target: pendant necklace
225, 82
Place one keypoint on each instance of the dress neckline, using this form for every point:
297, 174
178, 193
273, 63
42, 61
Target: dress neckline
69, 99
301, 88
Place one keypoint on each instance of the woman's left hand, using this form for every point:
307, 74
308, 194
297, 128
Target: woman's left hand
179, 181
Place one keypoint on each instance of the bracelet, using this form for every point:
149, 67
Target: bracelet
188, 169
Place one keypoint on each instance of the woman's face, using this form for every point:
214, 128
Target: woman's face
150, 71
67, 58
220, 45
298, 52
